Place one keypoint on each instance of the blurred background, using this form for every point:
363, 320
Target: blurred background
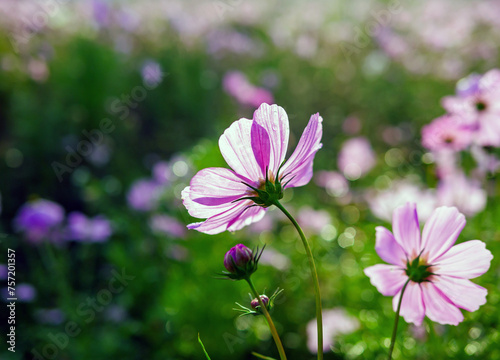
108, 108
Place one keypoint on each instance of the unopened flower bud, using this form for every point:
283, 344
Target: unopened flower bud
237, 257
241, 262
255, 302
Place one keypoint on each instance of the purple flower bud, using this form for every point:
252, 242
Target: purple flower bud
255, 302
237, 257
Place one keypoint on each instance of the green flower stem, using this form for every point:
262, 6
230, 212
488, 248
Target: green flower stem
314, 273
395, 330
56, 270
276, 337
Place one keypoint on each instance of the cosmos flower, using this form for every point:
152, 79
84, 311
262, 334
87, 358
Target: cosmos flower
82, 228
479, 106
436, 270
39, 219
446, 132
356, 158
255, 150
144, 194
237, 85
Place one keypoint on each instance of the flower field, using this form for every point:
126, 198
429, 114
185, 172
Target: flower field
229, 179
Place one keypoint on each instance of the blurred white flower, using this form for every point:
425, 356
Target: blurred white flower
464, 193
335, 322
383, 203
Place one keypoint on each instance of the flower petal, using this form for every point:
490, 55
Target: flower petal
406, 229
441, 231
249, 216
300, 164
438, 307
274, 120
387, 247
412, 306
236, 148
232, 219
387, 279
212, 191
261, 147
462, 292
467, 260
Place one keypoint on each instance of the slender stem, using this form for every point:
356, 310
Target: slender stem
53, 265
263, 307
314, 273
395, 330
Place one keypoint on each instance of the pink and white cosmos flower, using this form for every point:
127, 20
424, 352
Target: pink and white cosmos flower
446, 133
437, 271
479, 106
254, 149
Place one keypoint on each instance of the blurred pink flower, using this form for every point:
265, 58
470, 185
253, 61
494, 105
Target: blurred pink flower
144, 195
334, 182
351, 125
39, 220
446, 132
382, 204
152, 73
486, 163
335, 322
167, 225
356, 158
479, 107
313, 220
162, 172
23, 292
468, 85
437, 272
446, 162
466, 194
254, 149
82, 228
274, 258
237, 85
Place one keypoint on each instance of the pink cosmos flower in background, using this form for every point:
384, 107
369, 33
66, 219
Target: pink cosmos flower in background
237, 85
466, 194
447, 162
274, 258
446, 132
39, 220
468, 85
167, 225
82, 228
143, 195
162, 172
313, 220
479, 106
334, 182
356, 158
335, 322
254, 149
437, 271
486, 163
